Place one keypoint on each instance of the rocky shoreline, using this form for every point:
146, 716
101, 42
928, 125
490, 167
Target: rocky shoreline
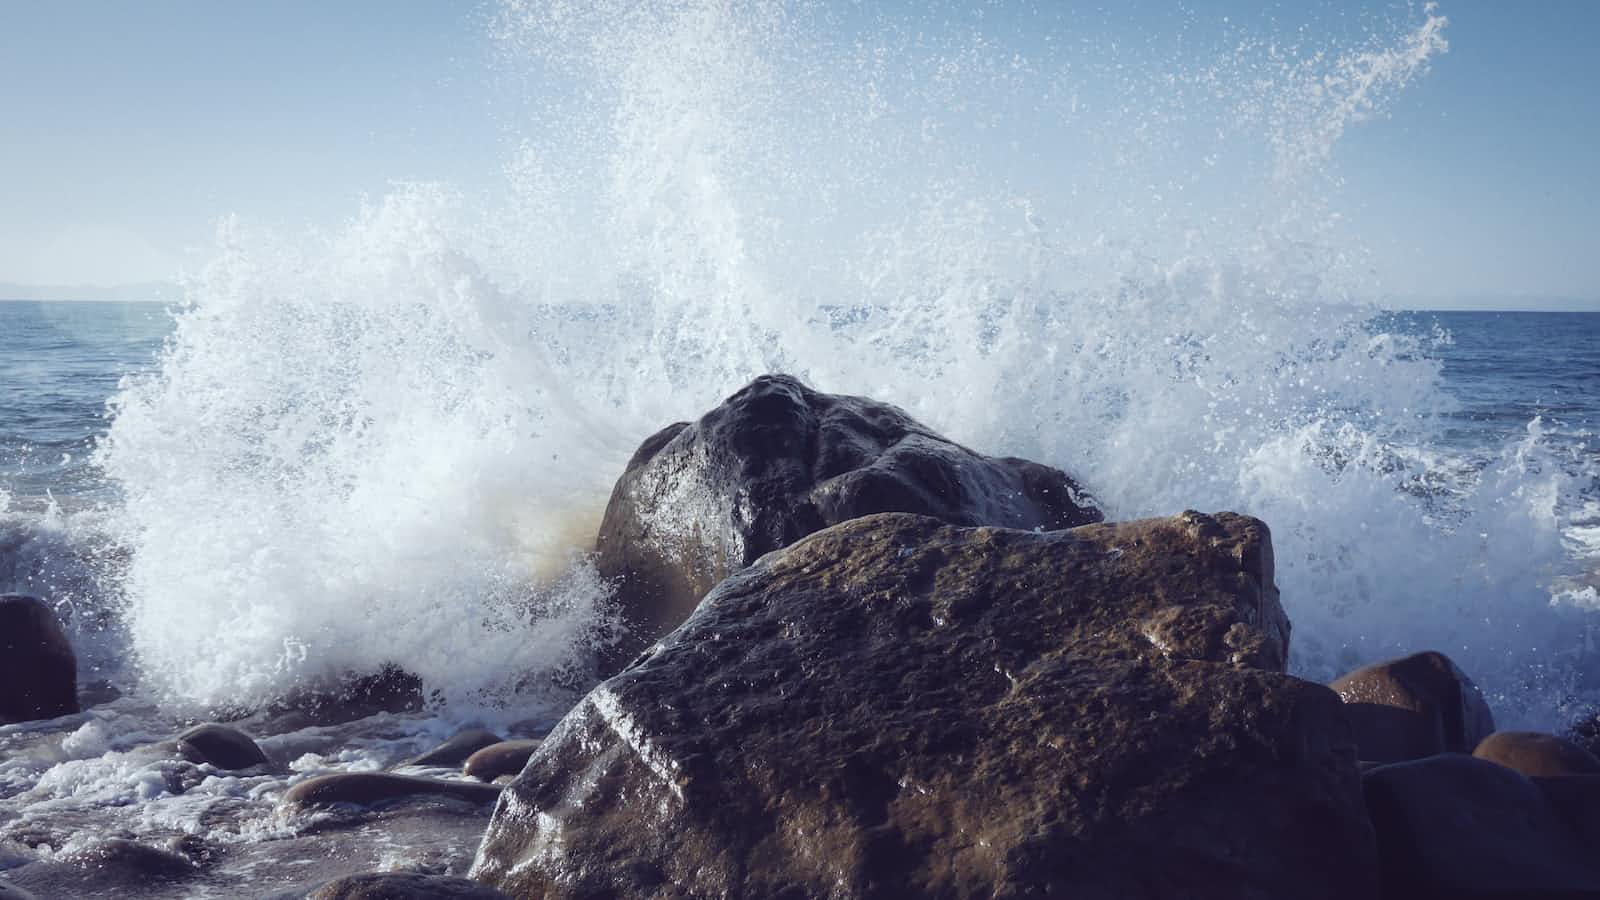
860, 660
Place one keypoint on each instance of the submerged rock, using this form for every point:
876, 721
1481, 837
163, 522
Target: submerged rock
896, 707
455, 751
1455, 826
371, 788
404, 886
133, 861
1533, 753
10, 891
778, 461
1414, 707
220, 745
504, 758
38, 670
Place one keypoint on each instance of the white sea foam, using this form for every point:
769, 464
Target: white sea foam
383, 445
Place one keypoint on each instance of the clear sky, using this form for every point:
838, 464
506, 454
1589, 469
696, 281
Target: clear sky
129, 129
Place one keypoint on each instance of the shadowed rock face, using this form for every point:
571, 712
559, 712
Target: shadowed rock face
895, 707
778, 461
1414, 707
38, 670
1455, 826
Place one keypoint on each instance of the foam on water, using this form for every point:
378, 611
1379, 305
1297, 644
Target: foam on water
385, 444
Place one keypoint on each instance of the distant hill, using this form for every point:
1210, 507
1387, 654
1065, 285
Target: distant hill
153, 290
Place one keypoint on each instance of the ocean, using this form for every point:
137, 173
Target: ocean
389, 443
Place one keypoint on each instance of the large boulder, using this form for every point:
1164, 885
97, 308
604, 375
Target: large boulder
38, 670
1414, 707
1456, 826
776, 462
897, 707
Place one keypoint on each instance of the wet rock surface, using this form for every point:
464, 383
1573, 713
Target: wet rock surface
1455, 826
404, 886
371, 788
504, 758
1536, 754
456, 750
897, 707
38, 669
778, 461
1414, 707
220, 745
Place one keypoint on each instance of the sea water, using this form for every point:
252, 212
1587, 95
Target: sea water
391, 443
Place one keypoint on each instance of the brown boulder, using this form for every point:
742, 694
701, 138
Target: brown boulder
38, 670
776, 462
456, 750
895, 707
504, 758
222, 746
1414, 707
372, 788
1533, 753
1455, 826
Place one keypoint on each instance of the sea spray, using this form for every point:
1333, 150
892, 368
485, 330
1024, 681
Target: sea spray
383, 445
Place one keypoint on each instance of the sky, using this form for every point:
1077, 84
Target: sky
128, 130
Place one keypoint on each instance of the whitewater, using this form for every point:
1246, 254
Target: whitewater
389, 443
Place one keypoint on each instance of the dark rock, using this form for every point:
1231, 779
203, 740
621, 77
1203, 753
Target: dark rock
221, 746
1455, 826
1577, 799
371, 788
455, 751
133, 861
404, 886
504, 758
899, 708
776, 462
1414, 707
352, 697
10, 891
1532, 753
38, 670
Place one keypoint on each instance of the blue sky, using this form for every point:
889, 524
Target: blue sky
129, 129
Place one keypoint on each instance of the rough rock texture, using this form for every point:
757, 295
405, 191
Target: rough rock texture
404, 886
1455, 826
504, 758
10, 891
455, 751
1414, 707
1533, 753
220, 745
38, 670
369, 788
776, 462
895, 707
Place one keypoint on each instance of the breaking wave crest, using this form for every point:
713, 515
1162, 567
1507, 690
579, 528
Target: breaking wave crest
391, 444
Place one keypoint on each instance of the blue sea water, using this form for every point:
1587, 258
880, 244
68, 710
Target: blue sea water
1506, 372
59, 364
